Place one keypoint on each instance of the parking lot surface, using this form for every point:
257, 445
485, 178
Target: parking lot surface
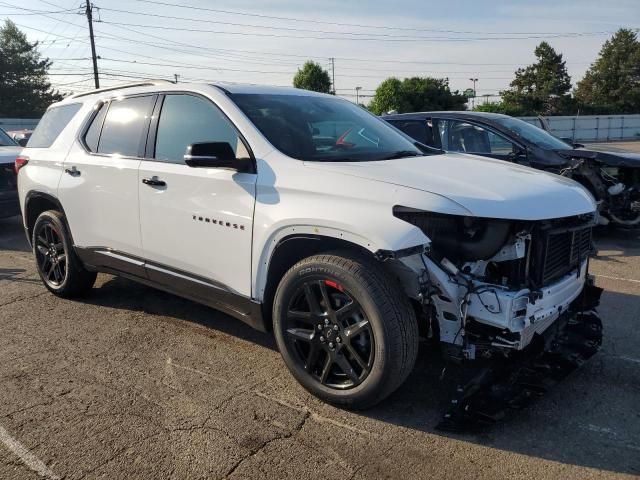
131, 382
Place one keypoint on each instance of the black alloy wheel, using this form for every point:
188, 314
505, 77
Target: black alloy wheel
51, 255
329, 334
59, 267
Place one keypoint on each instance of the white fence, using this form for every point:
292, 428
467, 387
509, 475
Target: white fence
587, 128
18, 123
593, 128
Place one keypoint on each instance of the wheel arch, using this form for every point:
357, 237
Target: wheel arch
37, 202
288, 251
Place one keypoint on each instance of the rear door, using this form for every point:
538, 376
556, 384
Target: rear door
420, 130
196, 223
99, 189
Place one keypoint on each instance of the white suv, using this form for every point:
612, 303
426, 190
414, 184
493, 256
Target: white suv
304, 214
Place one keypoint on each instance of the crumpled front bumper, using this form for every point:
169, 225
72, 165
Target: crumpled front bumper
525, 313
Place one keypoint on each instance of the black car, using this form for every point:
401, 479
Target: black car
612, 178
9, 150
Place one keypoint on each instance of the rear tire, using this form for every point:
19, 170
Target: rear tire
59, 267
345, 329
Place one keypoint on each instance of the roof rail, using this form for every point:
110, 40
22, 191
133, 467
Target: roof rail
146, 83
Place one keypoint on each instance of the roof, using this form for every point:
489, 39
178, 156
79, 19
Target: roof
248, 88
164, 85
457, 114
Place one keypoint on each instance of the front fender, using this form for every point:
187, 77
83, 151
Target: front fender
410, 237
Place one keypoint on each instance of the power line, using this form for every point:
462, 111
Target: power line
370, 39
332, 32
377, 27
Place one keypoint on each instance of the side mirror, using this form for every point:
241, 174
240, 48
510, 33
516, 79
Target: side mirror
578, 145
212, 155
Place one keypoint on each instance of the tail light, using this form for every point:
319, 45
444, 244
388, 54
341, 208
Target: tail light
20, 162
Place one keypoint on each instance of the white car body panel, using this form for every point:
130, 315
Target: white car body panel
485, 187
107, 206
201, 222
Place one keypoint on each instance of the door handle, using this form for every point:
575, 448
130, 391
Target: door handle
154, 182
73, 171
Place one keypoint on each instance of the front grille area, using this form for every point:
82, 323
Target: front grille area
556, 252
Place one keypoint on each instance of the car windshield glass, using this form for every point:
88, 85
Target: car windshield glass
533, 134
324, 129
6, 140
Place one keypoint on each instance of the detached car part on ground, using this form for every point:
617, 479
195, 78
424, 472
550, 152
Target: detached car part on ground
612, 178
9, 150
302, 213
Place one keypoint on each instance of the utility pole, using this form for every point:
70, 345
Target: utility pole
333, 74
474, 80
358, 95
89, 13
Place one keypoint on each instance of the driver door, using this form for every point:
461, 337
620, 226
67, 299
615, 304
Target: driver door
465, 137
196, 223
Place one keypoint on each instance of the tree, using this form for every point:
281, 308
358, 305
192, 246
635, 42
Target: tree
541, 88
414, 95
312, 77
612, 83
24, 87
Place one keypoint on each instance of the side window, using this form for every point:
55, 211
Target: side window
52, 124
465, 137
187, 119
93, 133
417, 129
125, 126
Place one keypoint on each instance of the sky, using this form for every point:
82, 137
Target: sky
263, 42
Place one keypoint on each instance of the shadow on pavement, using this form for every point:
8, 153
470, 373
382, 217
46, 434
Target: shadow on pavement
568, 425
125, 294
12, 235
594, 409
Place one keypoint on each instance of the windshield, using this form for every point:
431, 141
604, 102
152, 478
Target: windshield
324, 129
533, 134
6, 140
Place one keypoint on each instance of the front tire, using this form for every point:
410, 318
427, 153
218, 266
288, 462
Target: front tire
345, 329
59, 267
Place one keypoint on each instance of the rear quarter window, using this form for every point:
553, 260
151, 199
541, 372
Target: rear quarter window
52, 124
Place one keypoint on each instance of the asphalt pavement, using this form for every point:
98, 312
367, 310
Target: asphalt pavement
131, 383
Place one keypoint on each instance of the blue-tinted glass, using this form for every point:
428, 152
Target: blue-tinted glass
187, 119
125, 125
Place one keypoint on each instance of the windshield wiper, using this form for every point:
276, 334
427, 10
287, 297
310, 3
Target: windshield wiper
402, 154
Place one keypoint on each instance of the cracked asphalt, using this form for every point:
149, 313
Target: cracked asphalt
131, 382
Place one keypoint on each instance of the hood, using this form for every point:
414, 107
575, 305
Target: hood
485, 187
9, 154
612, 159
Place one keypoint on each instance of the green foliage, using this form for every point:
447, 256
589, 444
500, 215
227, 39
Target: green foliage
612, 83
496, 107
24, 88
414, 95
541, 88
312, 77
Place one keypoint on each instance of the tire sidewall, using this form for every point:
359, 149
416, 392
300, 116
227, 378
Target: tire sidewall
373, 384
55, 220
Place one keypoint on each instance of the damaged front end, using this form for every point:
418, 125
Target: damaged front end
513, 298
612, 178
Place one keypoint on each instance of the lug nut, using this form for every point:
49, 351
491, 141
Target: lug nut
319, 327
331, 345
322, 339
335, 327
326, 321
338, 339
